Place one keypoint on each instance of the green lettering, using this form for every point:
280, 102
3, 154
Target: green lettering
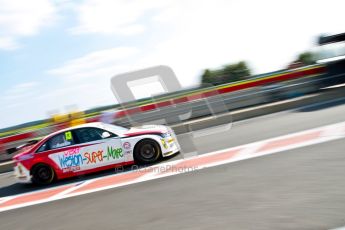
114, 153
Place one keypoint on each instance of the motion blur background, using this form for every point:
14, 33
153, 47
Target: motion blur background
58, 56
236, 60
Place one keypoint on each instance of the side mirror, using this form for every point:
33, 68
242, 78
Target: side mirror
105, 135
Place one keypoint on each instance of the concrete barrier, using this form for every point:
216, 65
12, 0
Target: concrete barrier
255, 111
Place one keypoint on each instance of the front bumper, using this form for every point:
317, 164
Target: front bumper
170, 145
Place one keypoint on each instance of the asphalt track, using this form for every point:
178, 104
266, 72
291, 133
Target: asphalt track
297, 189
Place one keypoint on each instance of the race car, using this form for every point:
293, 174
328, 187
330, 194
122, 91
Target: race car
90, 148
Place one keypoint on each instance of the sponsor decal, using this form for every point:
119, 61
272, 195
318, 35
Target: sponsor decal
94, 157
74, 159
115, 153
70, 161
71, 169
128, 152
164, 143
126, 145
72, 151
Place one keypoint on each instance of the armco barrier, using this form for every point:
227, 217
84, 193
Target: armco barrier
232, 101
260, 110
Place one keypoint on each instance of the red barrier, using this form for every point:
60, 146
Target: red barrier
17, 137
227, 89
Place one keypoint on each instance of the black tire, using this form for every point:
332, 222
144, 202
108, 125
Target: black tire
43, 174
147, 151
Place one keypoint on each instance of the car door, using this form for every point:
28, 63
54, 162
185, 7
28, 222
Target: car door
63, 150
98, 147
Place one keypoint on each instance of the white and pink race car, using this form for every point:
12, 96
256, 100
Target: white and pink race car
92, 147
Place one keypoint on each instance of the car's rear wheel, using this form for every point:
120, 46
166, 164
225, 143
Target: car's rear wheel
147, 151
43, 174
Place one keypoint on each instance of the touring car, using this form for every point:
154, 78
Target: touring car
90, 148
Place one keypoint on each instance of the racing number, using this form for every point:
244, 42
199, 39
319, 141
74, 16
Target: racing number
68, 136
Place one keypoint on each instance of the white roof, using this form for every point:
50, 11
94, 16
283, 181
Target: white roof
87, 125
100, 125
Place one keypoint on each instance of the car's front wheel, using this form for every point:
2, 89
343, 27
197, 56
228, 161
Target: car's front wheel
147, 151
42, 174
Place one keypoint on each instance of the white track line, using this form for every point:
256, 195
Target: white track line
69, 190
3, 200
249, 151
340, 228
275, 150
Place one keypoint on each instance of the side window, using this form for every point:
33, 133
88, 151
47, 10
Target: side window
61, 140
89, 134
43, 147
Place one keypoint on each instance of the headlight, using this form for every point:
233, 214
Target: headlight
165, 135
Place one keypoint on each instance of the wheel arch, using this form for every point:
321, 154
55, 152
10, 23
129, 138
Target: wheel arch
33, 168
145, 139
